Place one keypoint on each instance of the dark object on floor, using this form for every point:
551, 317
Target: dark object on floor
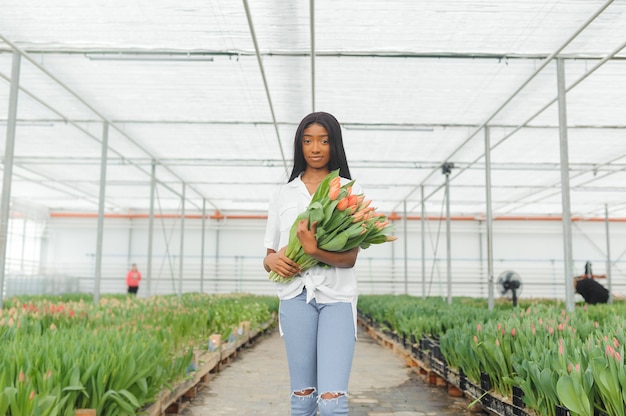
592, 291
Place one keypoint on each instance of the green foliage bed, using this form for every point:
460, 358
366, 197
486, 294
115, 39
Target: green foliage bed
58, 354
570, 359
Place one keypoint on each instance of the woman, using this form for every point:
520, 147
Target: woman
318, 307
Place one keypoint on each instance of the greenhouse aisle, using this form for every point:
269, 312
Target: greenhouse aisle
257, 383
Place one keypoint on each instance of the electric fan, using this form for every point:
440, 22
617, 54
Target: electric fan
510, 285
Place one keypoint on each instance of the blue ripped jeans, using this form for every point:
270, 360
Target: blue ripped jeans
319, 339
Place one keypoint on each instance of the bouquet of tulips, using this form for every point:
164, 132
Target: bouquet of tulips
344, 221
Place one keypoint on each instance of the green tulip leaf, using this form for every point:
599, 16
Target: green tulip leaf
571, 394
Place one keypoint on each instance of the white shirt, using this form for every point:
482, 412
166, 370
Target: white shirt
324, 284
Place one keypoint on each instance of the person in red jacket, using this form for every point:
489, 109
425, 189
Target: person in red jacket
132, 280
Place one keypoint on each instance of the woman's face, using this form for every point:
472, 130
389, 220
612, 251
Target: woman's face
316, 146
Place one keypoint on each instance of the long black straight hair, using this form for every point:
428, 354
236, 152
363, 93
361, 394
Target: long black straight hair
338, 158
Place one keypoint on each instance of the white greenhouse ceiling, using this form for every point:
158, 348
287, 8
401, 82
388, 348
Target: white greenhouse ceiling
211, 92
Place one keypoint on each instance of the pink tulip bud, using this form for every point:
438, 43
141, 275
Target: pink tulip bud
475, 339
560, 327
497, 342
389, 238
561, 346
618, 357
596, 324
21, 377
32, 395
610, 352
479, 327
513, 332
615, 342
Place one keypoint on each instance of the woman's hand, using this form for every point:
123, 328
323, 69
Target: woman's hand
280, 264
307, 236
332, 258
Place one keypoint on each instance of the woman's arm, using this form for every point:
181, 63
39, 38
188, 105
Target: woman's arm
279, 263
344, 259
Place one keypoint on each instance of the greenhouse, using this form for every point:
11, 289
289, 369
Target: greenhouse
149, 137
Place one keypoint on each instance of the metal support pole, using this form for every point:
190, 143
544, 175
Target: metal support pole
182, 242
217, 256
101, 199
423, 226
489, 219
202, 245
565, 188
151, 227
608, 253
312, 27
7, 178
447, 168
406, 253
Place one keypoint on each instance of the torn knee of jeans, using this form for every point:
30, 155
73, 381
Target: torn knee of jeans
304, 392
330, 395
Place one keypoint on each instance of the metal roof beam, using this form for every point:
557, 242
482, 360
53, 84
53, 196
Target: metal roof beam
267, 89
193, 55
89, 106
545, 63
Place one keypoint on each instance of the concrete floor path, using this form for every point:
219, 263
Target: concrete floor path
257, 383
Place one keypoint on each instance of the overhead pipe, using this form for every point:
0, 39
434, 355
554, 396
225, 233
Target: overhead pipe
393, 216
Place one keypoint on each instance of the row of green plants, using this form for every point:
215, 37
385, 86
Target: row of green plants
59, 354
573, 360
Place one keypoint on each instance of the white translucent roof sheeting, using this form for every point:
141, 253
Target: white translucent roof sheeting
211, 94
